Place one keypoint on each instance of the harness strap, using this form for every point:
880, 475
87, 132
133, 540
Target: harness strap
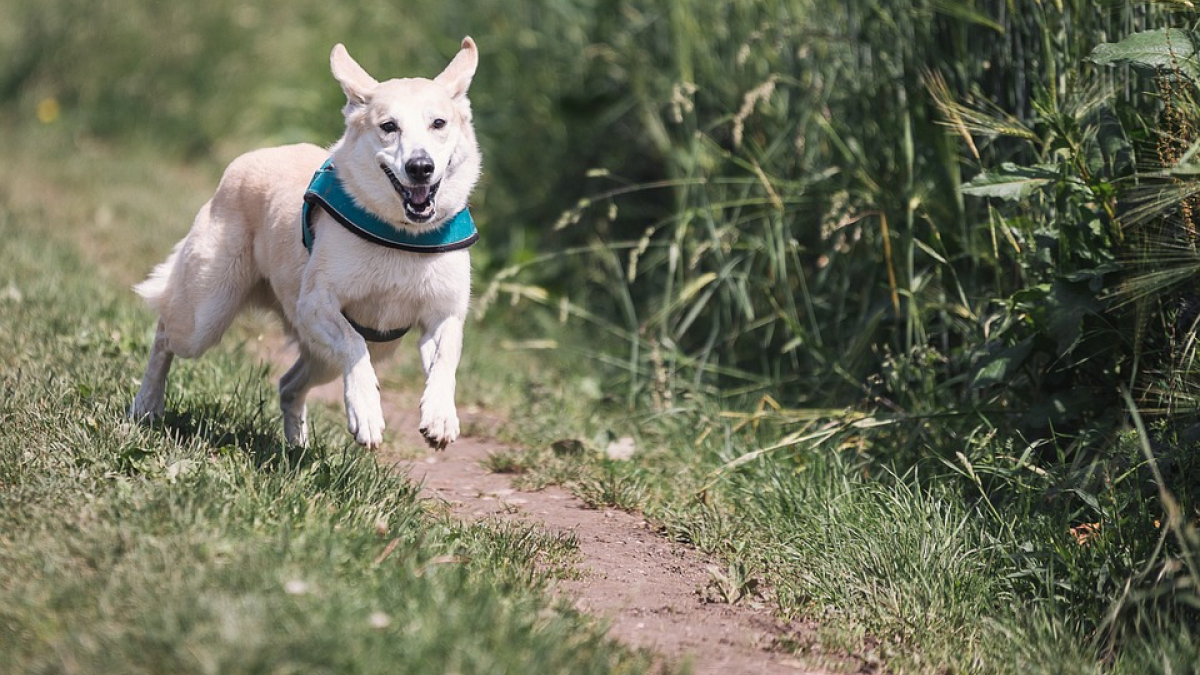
372, 335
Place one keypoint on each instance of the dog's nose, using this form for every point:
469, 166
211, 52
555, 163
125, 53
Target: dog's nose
419, 168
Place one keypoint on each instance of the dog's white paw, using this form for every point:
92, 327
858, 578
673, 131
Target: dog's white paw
364, 412
146, 409
439, 423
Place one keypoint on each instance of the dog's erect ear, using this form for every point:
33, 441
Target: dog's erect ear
456, 78
355, 81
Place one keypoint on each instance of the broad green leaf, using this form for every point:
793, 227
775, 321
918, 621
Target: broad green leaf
1170, 48
1064, 311
1001, 365
1011, 181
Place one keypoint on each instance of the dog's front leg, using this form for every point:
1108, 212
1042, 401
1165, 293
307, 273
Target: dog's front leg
331, 337
441, 348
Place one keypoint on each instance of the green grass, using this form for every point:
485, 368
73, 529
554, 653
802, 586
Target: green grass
203, 544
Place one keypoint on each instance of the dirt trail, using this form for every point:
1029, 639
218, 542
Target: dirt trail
645, 585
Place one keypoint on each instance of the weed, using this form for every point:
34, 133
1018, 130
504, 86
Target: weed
609, 485
507, 461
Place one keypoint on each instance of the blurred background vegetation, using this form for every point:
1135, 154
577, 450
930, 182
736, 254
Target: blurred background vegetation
945, 238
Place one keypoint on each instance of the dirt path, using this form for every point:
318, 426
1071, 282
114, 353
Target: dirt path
644, 584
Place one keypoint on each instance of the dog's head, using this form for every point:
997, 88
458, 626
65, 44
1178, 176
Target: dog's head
409, 153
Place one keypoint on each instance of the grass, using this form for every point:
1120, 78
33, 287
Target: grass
507, 461
204, 544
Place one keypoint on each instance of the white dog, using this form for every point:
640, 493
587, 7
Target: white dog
351, 247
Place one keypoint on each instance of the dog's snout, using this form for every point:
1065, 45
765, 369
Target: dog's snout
419, 167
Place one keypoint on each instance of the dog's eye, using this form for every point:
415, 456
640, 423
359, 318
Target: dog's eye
388, 127
439, 123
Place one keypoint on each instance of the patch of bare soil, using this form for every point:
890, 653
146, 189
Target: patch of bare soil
646, 586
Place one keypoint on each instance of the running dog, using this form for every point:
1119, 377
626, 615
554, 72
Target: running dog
350, 246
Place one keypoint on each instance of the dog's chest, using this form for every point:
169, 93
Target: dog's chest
387, 288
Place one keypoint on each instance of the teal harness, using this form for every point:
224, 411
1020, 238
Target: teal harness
326, 191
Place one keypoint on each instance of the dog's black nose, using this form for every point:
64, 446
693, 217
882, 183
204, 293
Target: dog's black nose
419, 168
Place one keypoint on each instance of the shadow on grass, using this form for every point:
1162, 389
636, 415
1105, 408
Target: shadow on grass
244, 423
239, 423
266, 449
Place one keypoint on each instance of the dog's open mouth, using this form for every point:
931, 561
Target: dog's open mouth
418, 199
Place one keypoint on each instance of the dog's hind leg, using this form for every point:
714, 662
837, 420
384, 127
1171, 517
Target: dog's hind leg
294, 386
150, 400
203, 285
198, 291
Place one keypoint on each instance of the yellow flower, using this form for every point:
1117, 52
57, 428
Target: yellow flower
47, 110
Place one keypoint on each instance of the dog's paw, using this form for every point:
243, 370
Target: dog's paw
364, 413
439, 424
145, 412
364, 419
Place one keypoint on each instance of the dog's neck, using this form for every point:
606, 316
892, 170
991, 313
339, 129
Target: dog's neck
326, 191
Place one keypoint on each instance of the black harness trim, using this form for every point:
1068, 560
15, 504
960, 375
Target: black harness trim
372, 335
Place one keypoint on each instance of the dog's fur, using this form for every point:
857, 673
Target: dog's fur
245, 248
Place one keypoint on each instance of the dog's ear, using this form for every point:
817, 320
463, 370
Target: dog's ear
355, 81
456, 78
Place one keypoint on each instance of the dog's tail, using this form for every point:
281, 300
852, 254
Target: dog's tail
154, 289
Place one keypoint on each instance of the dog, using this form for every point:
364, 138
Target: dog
350, 246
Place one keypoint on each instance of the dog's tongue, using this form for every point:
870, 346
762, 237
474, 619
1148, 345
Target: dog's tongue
419, 194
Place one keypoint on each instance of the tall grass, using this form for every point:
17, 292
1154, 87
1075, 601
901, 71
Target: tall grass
804, 228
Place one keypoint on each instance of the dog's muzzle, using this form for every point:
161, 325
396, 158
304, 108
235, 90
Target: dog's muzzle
418, 199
